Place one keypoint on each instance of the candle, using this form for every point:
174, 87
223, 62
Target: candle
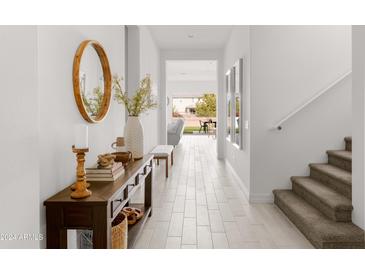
81, 136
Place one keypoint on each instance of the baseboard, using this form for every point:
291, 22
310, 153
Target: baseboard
241, 184
251, 197
261, 198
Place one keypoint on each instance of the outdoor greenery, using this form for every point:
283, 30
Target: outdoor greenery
206, 106
142, 101
93, 103
189, 130
238, 101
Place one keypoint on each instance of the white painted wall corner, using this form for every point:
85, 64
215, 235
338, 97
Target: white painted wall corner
251, 197
241, 184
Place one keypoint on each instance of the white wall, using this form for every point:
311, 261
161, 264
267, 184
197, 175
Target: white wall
358, 125
191, 88
238, 47
143, 59
40, 126
150, 64
58, 110
289, 64
19, 164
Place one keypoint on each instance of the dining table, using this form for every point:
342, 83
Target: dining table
206, 123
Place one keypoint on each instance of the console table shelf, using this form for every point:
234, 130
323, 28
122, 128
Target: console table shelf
99, 210
134, 230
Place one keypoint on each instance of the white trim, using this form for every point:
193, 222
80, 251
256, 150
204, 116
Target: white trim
278, 125
261, 198
242, 185
236, 146
241, 91
252, 198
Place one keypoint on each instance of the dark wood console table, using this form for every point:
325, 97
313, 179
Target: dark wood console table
99, 210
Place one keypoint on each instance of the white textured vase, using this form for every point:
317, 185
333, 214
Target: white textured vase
133, 134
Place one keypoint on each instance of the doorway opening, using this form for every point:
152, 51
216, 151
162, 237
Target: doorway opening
191, 90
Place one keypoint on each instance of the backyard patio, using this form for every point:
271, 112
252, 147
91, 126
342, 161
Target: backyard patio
199, 114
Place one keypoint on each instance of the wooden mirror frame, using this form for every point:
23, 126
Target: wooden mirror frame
107, 80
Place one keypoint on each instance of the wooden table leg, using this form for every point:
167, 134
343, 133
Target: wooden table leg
101, 227
56, 233
167, 166
148, 191
172, 158
158, 161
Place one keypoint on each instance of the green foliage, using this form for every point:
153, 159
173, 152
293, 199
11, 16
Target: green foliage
238, 101
206, 106
143, 99
93, 103
190, 130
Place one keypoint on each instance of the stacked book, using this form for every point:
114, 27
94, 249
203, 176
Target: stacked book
104, 174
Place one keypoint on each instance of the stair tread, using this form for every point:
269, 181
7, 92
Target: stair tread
343, 154
323, 193
334, 172
313, 223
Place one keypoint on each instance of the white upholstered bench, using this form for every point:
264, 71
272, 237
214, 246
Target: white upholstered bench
162, 152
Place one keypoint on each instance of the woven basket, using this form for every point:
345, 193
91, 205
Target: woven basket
120, 232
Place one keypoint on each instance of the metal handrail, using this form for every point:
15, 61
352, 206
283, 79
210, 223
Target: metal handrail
278, 125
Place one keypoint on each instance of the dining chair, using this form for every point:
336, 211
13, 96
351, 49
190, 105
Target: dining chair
203, 126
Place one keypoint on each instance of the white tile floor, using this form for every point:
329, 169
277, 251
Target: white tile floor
202, 206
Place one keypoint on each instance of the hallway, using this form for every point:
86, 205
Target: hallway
201, 205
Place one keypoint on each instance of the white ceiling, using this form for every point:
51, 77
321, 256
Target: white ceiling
190, 37
191, 70
191, 78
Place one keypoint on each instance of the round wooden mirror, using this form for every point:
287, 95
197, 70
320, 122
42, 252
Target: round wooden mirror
92, 81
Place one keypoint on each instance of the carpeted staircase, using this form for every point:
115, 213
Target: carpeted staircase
320, 205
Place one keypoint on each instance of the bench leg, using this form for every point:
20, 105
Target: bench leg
158, 161
167, 166
172, 158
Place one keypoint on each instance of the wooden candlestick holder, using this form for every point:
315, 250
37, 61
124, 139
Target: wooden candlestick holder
80, 187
